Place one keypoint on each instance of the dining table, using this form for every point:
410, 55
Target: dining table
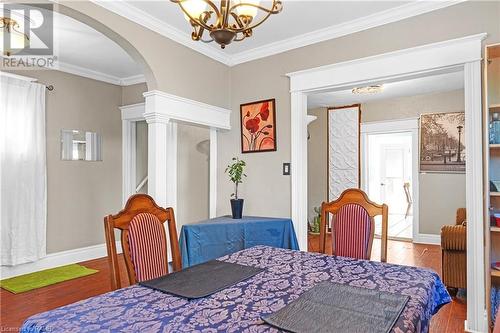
287, 274
216, 237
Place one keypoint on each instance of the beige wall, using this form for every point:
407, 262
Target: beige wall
79, 193
317, 161
192, 174
266, 191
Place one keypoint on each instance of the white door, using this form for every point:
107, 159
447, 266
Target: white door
389, 168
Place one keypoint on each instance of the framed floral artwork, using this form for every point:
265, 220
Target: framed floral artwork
258, 126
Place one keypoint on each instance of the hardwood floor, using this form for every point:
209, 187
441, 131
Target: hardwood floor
16, 308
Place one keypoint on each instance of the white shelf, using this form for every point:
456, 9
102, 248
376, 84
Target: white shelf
495, 145
495, 229
495, 194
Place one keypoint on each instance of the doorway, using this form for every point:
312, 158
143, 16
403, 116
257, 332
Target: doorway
389, 180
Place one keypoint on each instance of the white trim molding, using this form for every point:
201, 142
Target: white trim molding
52, 260
461, 53
427, 239
130, 114
343, 29
99, 76
213, 174
147, 20
377, 19
189, 111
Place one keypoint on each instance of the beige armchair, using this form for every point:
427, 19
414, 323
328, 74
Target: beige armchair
453, 249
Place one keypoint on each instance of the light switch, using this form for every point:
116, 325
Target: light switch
286, 169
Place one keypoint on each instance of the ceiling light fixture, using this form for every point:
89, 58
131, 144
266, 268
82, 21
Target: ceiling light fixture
234, 20
374, 89
9, 28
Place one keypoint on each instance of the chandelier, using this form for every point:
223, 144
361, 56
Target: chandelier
10, 30
233, 20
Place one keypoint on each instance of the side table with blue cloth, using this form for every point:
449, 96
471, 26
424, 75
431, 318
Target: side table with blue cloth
217, 237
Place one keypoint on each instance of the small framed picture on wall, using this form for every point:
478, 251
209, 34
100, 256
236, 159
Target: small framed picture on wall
258, 126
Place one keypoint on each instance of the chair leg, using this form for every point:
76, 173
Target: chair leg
408, 210
452, 291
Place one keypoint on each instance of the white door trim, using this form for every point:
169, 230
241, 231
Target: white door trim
396, 126
130, 114
461, 53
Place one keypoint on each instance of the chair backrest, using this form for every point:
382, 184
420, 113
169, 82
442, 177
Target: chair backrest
143, 240
353, 225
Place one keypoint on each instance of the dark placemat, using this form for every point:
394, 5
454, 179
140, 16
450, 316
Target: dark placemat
333, 307
202, 280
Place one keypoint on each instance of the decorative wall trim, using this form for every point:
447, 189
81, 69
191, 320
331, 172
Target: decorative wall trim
99, 76
189, 111
464, 53
342, 29
58, 259
424, 59
213, 174
427, 239
136, 15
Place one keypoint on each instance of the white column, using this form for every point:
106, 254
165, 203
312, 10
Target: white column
476, 307
298, 167
157, 157
213, 173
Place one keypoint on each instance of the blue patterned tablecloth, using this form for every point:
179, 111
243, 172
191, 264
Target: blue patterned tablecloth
217, 237
239, 308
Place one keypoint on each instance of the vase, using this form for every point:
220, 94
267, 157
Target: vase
237, 208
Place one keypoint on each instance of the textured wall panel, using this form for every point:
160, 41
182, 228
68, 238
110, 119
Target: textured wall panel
343, 150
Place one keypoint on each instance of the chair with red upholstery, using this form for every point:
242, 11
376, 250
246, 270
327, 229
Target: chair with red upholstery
353, 225
143, 240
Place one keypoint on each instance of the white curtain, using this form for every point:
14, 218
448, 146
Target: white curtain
23, 176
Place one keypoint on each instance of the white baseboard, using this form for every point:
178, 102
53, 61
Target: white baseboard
427, 239
58, 259
466, 329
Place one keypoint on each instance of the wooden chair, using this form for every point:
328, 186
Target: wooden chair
143, 240
353, 225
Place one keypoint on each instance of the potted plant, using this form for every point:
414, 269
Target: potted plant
315, 223
235, 171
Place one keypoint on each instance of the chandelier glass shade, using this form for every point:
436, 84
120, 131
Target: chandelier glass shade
11, 31
233, 20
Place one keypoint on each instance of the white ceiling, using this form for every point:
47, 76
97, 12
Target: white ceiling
84, 51
297, 17
299, 24
418, 86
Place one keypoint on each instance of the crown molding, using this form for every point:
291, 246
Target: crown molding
343, 29
134, 14
99, 76
134, 79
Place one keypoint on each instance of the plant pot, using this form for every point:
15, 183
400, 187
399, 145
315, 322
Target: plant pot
237, 208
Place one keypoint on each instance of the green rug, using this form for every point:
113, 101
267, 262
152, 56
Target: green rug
27, 282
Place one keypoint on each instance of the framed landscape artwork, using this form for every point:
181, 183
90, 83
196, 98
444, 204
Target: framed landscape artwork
258, 126
442, 142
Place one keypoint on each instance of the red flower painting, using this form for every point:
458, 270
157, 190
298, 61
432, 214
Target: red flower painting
258, 126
